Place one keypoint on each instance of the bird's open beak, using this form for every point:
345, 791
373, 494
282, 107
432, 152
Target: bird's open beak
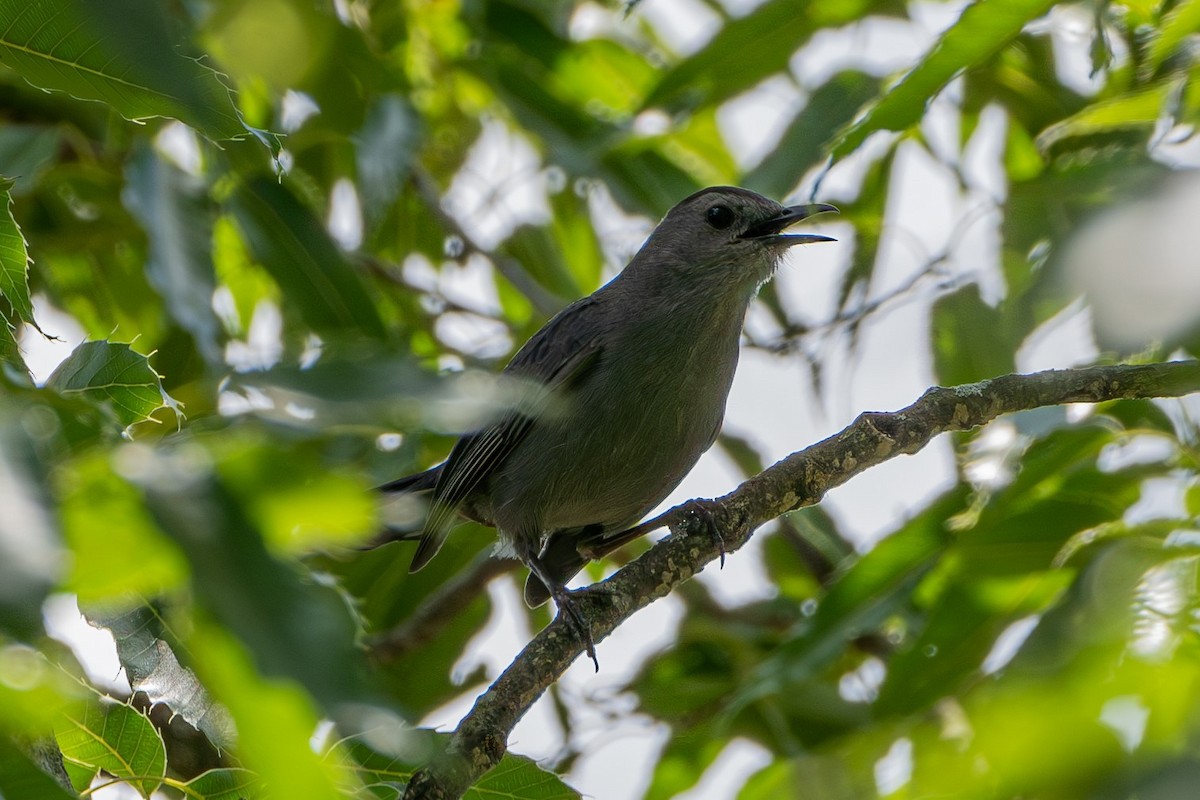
769, 230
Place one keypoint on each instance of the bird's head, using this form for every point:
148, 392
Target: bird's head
724, 236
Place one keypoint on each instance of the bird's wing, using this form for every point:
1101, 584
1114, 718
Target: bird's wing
557, 357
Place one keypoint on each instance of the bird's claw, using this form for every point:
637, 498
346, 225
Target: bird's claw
569, 609
702, 511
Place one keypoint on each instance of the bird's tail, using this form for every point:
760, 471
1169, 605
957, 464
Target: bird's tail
410, 484
418, 483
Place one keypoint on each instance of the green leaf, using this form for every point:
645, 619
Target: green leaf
803, 144
1176, 26
26, 152
21, 778
294, 629
275, 718
514, 777
747, 50
518, 776
14, 261
389, 137
969, 341
172, 208
1137, 110
118, 52
983, 29
114, 378
103, 520
873, 588
311, 271
117, 739
31, 559
224, 784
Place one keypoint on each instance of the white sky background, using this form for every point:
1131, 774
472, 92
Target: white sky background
772, 403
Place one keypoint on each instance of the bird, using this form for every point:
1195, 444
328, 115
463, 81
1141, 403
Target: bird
632, 383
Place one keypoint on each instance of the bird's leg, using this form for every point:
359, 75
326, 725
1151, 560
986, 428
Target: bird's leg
567, 604
701, 510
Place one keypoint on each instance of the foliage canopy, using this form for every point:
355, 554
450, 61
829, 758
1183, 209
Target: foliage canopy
280, 224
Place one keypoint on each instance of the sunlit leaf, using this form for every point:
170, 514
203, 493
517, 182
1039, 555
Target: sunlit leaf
119, 52
275, 719
14, 261
116, 546
117, 739
519, 776
115, 378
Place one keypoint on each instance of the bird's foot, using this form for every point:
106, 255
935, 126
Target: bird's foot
701, 510
568, 608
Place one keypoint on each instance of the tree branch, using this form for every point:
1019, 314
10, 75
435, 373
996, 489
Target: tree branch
801, 479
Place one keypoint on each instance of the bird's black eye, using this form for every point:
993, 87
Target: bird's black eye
720, 217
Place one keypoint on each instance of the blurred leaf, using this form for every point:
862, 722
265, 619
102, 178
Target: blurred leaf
119, 52
959, 633
293, 628
422, 678
387, 142
600, 74
114, 378
684, 759
803, 144
117, 739
1137, 110
867, 593
31, 560
969, 341
174, 211
577, 239
275, 717
20, 777
812, 776
14, 262
1180, 22
310, 270
295, 504
105, 522
747, 50
984, 27
26, 151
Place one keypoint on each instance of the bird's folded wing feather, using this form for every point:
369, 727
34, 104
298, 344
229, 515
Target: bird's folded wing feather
558, 356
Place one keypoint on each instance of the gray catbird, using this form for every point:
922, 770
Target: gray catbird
639, 372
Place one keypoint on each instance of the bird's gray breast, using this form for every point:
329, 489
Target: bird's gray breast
629, 430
